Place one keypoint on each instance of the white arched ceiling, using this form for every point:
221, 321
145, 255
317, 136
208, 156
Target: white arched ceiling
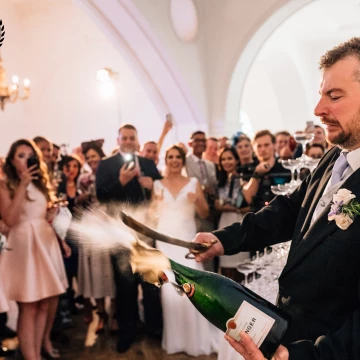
128, 30
247, 57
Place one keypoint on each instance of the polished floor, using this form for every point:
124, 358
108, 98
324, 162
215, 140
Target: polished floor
85, 344
102, 347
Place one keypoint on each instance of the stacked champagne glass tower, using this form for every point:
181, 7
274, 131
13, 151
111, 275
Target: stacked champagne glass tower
264, 268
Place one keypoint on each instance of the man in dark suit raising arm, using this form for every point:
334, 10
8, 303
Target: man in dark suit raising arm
320, 284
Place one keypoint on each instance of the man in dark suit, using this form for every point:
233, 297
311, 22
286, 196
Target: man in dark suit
127, 179
320, 284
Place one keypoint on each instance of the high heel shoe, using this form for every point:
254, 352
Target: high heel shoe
53, 354
103, 319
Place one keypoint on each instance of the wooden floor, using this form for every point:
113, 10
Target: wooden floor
85, 344
144, 348
102, 347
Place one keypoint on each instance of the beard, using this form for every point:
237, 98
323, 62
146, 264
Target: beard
345, 139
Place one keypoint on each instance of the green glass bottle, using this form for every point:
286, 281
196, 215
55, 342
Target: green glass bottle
233, 308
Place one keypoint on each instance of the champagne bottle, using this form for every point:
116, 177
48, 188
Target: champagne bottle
232, 307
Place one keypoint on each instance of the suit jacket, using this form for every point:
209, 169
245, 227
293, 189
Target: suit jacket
193, 170
319, 286
109, 189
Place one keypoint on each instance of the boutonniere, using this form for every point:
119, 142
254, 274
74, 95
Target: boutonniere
344, 209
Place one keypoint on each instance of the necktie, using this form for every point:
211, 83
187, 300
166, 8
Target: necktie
202, 172
339, 167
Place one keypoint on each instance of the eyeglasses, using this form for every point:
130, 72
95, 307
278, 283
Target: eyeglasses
199, 140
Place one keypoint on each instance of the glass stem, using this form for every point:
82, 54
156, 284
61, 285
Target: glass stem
292, 175
304, 150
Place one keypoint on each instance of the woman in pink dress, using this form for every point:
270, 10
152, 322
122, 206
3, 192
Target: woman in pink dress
35, 274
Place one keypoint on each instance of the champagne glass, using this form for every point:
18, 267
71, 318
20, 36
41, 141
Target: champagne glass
303, 138
278, 189
311, 164
246, 269
291, 164
291, 187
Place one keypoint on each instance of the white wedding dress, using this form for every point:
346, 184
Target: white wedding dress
185, 329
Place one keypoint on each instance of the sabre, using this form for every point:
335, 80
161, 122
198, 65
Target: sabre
195, 248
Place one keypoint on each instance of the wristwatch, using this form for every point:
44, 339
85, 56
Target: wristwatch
256, 175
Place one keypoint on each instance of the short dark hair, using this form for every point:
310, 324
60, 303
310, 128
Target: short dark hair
241, 138
283, 132
198, 132
340, 52
180, 150
308, 147
128, 127
262, 133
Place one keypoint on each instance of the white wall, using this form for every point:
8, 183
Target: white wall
61, 58
259, 101
285, 74
13, 121
208, 62
274, 95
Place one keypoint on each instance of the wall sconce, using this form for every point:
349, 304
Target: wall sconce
11, 93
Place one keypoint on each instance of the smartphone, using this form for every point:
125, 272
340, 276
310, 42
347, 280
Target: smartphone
33, 160
130, 165
310, 127
168, 117
129, 161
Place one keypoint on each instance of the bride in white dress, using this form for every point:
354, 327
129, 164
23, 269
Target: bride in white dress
177, 200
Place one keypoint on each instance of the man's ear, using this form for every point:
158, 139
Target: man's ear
190, 143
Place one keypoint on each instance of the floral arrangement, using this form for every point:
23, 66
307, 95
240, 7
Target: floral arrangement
344, 209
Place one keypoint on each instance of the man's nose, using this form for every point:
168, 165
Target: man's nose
321, 108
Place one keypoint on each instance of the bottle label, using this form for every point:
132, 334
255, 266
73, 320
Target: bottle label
252, 321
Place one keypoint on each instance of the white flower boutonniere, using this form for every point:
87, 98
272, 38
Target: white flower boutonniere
344, 209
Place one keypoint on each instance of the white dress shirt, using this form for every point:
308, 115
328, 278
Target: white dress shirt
353, 158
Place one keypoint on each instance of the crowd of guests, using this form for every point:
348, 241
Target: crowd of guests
207, 184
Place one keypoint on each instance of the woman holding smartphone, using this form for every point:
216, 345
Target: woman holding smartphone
25, 197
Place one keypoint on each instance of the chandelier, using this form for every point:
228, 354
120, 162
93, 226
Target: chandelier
11, 93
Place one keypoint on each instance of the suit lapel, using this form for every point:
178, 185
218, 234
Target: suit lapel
195, 167
319, 191
321, 228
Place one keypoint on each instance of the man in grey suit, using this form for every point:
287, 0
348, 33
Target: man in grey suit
205, 172
320, 284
